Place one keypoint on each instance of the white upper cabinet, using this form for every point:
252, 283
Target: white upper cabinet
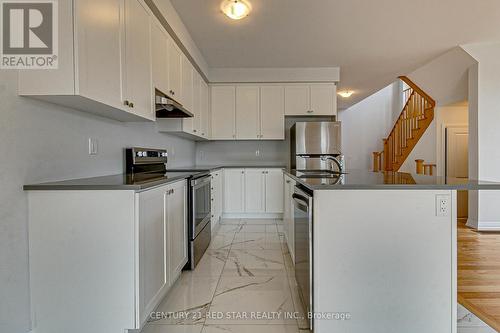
296, 99
272, 112
205, 113
174, 71
138, 80
323, 99
98, 51
247, 113
317, 99
197, 109
223, 112
104, 61
159, 47
187, 94
255, 184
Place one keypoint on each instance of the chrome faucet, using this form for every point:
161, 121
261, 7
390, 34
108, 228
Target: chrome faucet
334, 160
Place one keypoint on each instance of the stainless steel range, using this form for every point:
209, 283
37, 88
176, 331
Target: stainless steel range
143, 165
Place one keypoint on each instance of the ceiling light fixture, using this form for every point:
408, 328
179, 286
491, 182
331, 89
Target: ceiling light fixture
346, 93
236, 9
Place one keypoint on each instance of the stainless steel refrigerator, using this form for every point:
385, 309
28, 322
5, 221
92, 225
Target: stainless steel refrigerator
310, 141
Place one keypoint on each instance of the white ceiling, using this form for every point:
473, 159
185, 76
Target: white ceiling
372, 41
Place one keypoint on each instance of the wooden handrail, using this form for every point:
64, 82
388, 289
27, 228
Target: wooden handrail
414, 119
416, 88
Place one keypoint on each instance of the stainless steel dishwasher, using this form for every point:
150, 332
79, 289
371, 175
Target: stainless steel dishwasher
303, 222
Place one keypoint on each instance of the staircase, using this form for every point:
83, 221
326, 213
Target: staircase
417, 115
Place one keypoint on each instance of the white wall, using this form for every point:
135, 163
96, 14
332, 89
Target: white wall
445, 78
366, 123
44, 142
484, 155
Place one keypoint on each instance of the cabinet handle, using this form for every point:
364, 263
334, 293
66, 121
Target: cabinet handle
243, 172
131, 105
194, 131
126, 102
288, 182
310, 111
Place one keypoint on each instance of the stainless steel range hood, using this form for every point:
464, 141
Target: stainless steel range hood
168, 108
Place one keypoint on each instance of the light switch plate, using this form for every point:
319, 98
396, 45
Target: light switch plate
93, 146
442, 205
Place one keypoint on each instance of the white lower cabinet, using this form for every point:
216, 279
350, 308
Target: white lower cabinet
253, 191
162, 242
288, 216
216, 197
234, 187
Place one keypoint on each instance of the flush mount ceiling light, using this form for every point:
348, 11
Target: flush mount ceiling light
236, 9
346, 93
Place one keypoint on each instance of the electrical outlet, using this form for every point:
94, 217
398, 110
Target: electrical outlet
93, 146
442, 205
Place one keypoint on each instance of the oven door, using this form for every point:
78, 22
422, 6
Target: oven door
201, 204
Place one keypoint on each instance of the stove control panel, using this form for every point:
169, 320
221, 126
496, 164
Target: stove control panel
144, 156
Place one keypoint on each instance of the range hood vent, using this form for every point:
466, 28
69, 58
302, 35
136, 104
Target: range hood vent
168, 108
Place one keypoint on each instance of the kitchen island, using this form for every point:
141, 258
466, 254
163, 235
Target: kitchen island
383, 251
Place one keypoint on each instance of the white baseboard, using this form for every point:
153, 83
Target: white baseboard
483, 225
252, 215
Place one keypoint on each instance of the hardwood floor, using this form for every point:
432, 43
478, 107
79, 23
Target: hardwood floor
479, 274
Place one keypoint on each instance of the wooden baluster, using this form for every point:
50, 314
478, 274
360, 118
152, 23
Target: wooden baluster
376, 163
419, 166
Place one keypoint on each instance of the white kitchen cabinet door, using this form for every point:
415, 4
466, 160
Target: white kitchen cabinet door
216, 197
204, 106
159, 47
187, 93
197, 103
297, 99
152, 248
272, 113
174, 71
247, 113
138, 77
255, 184
323, 99
223, 112
274, 191
288, 215
98, 50
175, 204
234, 186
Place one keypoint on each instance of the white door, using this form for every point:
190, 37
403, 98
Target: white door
152, 259
159, 47
197, 103
247, 113
177, 228
457, 162
98, 47
223, 112
272, 112
187, 83
297, 99
274, 191
138, 80
174, 71
255, 190
323, 99
204, 109
234, 190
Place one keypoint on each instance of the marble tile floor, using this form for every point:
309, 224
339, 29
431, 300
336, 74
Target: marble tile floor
244, 283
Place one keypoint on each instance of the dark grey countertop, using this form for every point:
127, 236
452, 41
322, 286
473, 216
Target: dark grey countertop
123, 182
231, 166
361, 179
